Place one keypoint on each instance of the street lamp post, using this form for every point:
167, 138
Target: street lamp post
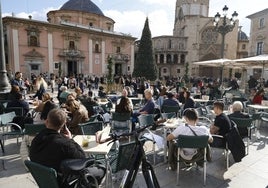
227, 25
4, 82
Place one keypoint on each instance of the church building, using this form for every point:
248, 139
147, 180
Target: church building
76, 39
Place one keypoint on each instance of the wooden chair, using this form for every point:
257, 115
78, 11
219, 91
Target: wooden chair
185, 141
90, 128
44, 176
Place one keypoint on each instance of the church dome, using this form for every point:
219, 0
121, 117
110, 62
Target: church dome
82, 6
242, 36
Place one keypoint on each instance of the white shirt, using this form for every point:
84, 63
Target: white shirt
188, 153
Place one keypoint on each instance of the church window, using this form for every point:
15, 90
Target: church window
209, 36
33, 36
71, 45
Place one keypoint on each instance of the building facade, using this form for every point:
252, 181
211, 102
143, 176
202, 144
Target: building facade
258, 33
194, 39
77, 39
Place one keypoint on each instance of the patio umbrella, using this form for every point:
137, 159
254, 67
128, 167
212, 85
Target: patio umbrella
259, 61
218, 63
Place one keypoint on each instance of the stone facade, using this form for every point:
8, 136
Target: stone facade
258, 33
74, 41
194, 39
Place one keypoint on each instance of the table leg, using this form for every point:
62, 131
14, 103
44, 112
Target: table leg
165, 144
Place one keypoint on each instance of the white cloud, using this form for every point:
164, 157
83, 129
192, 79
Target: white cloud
36, 15
133, 21
160, 2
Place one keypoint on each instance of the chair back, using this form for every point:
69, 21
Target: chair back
90, 128
124, 156
186, 141
33, 129
44, 176
146, 119
120, 116
242, 122
168, 109
7, 117
199, 111
168, 115
18, 110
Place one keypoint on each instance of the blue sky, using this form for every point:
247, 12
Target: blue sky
130, 15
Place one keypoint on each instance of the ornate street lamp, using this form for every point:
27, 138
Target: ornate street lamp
4, 82
223, 26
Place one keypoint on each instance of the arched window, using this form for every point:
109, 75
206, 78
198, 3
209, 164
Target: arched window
182, 59
175, 59
169, 60
164, 70
97, 49
162, 58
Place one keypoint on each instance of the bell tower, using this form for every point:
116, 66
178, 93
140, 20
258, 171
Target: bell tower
186, 9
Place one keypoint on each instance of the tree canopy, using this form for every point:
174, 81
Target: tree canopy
144, 64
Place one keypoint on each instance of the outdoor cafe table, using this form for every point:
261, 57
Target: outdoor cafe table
170, 124
201, 100
258, 107
96, 148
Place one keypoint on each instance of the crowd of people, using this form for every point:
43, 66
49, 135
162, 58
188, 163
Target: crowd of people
77, 106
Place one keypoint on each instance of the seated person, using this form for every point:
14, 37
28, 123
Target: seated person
221, 126
148, 108
189, 128
78, 113
55, 144
49, 105
101, 92
12, 94
127, 102
259, 96
19, 102
189, 102
181, 97
46, 97
63, 95
171, 100
237, 108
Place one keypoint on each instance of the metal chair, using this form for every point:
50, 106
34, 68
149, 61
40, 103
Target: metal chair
144, 120
32, 130
121, 122
168, 115
18, 110
44, 176
9, 128
167, 109
90, 128
245, 127
120, 160
218, 139
185, 141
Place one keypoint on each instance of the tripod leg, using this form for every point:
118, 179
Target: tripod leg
149, 175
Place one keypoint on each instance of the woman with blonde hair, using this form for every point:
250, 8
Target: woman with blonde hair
41, 87
79, 115
40, 106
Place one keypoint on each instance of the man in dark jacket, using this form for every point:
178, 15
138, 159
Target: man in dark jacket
54, 144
